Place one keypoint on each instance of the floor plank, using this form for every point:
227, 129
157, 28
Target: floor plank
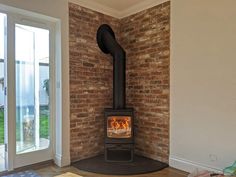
52, 171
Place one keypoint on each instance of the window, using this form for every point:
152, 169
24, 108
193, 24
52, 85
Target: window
32, 88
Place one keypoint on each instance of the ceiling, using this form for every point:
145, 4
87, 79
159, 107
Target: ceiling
118, 8
118, 4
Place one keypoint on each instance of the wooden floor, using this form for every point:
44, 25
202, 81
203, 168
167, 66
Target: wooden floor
52, 171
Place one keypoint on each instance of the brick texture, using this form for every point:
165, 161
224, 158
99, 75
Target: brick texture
146, 39
145, 36
90, 81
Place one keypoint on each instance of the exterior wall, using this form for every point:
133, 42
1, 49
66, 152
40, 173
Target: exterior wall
146, 38
90, 81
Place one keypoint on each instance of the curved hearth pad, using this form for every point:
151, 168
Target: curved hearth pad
140, 165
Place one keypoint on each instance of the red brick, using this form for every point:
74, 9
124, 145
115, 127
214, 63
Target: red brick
146, 38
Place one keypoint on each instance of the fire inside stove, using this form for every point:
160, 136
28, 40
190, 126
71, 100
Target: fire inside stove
119, 127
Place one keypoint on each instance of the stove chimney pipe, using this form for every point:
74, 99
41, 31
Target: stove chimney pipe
108, 44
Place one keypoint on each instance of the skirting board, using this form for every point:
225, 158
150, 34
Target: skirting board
189, 166
60, 161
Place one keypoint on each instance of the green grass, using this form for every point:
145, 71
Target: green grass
1, 127
44, 124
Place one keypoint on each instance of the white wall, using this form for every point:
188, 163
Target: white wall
203, 84
57, 9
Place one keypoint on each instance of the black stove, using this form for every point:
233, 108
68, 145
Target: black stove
119, 120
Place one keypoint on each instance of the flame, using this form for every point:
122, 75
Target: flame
119, 127
119, 123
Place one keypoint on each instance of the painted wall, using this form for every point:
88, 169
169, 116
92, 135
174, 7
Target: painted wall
57, 9
203, 84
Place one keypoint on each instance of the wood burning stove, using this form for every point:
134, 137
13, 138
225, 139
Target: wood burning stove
119, 134
119, 120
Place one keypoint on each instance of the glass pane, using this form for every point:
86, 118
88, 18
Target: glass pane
2, 35
119, 127
32, 88
2, 70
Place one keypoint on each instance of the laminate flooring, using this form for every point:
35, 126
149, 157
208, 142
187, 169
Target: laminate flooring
52, 171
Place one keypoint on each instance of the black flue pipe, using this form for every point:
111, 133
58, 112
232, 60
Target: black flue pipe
107, 43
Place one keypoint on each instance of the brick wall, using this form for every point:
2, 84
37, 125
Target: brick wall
145, 37
90, 81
